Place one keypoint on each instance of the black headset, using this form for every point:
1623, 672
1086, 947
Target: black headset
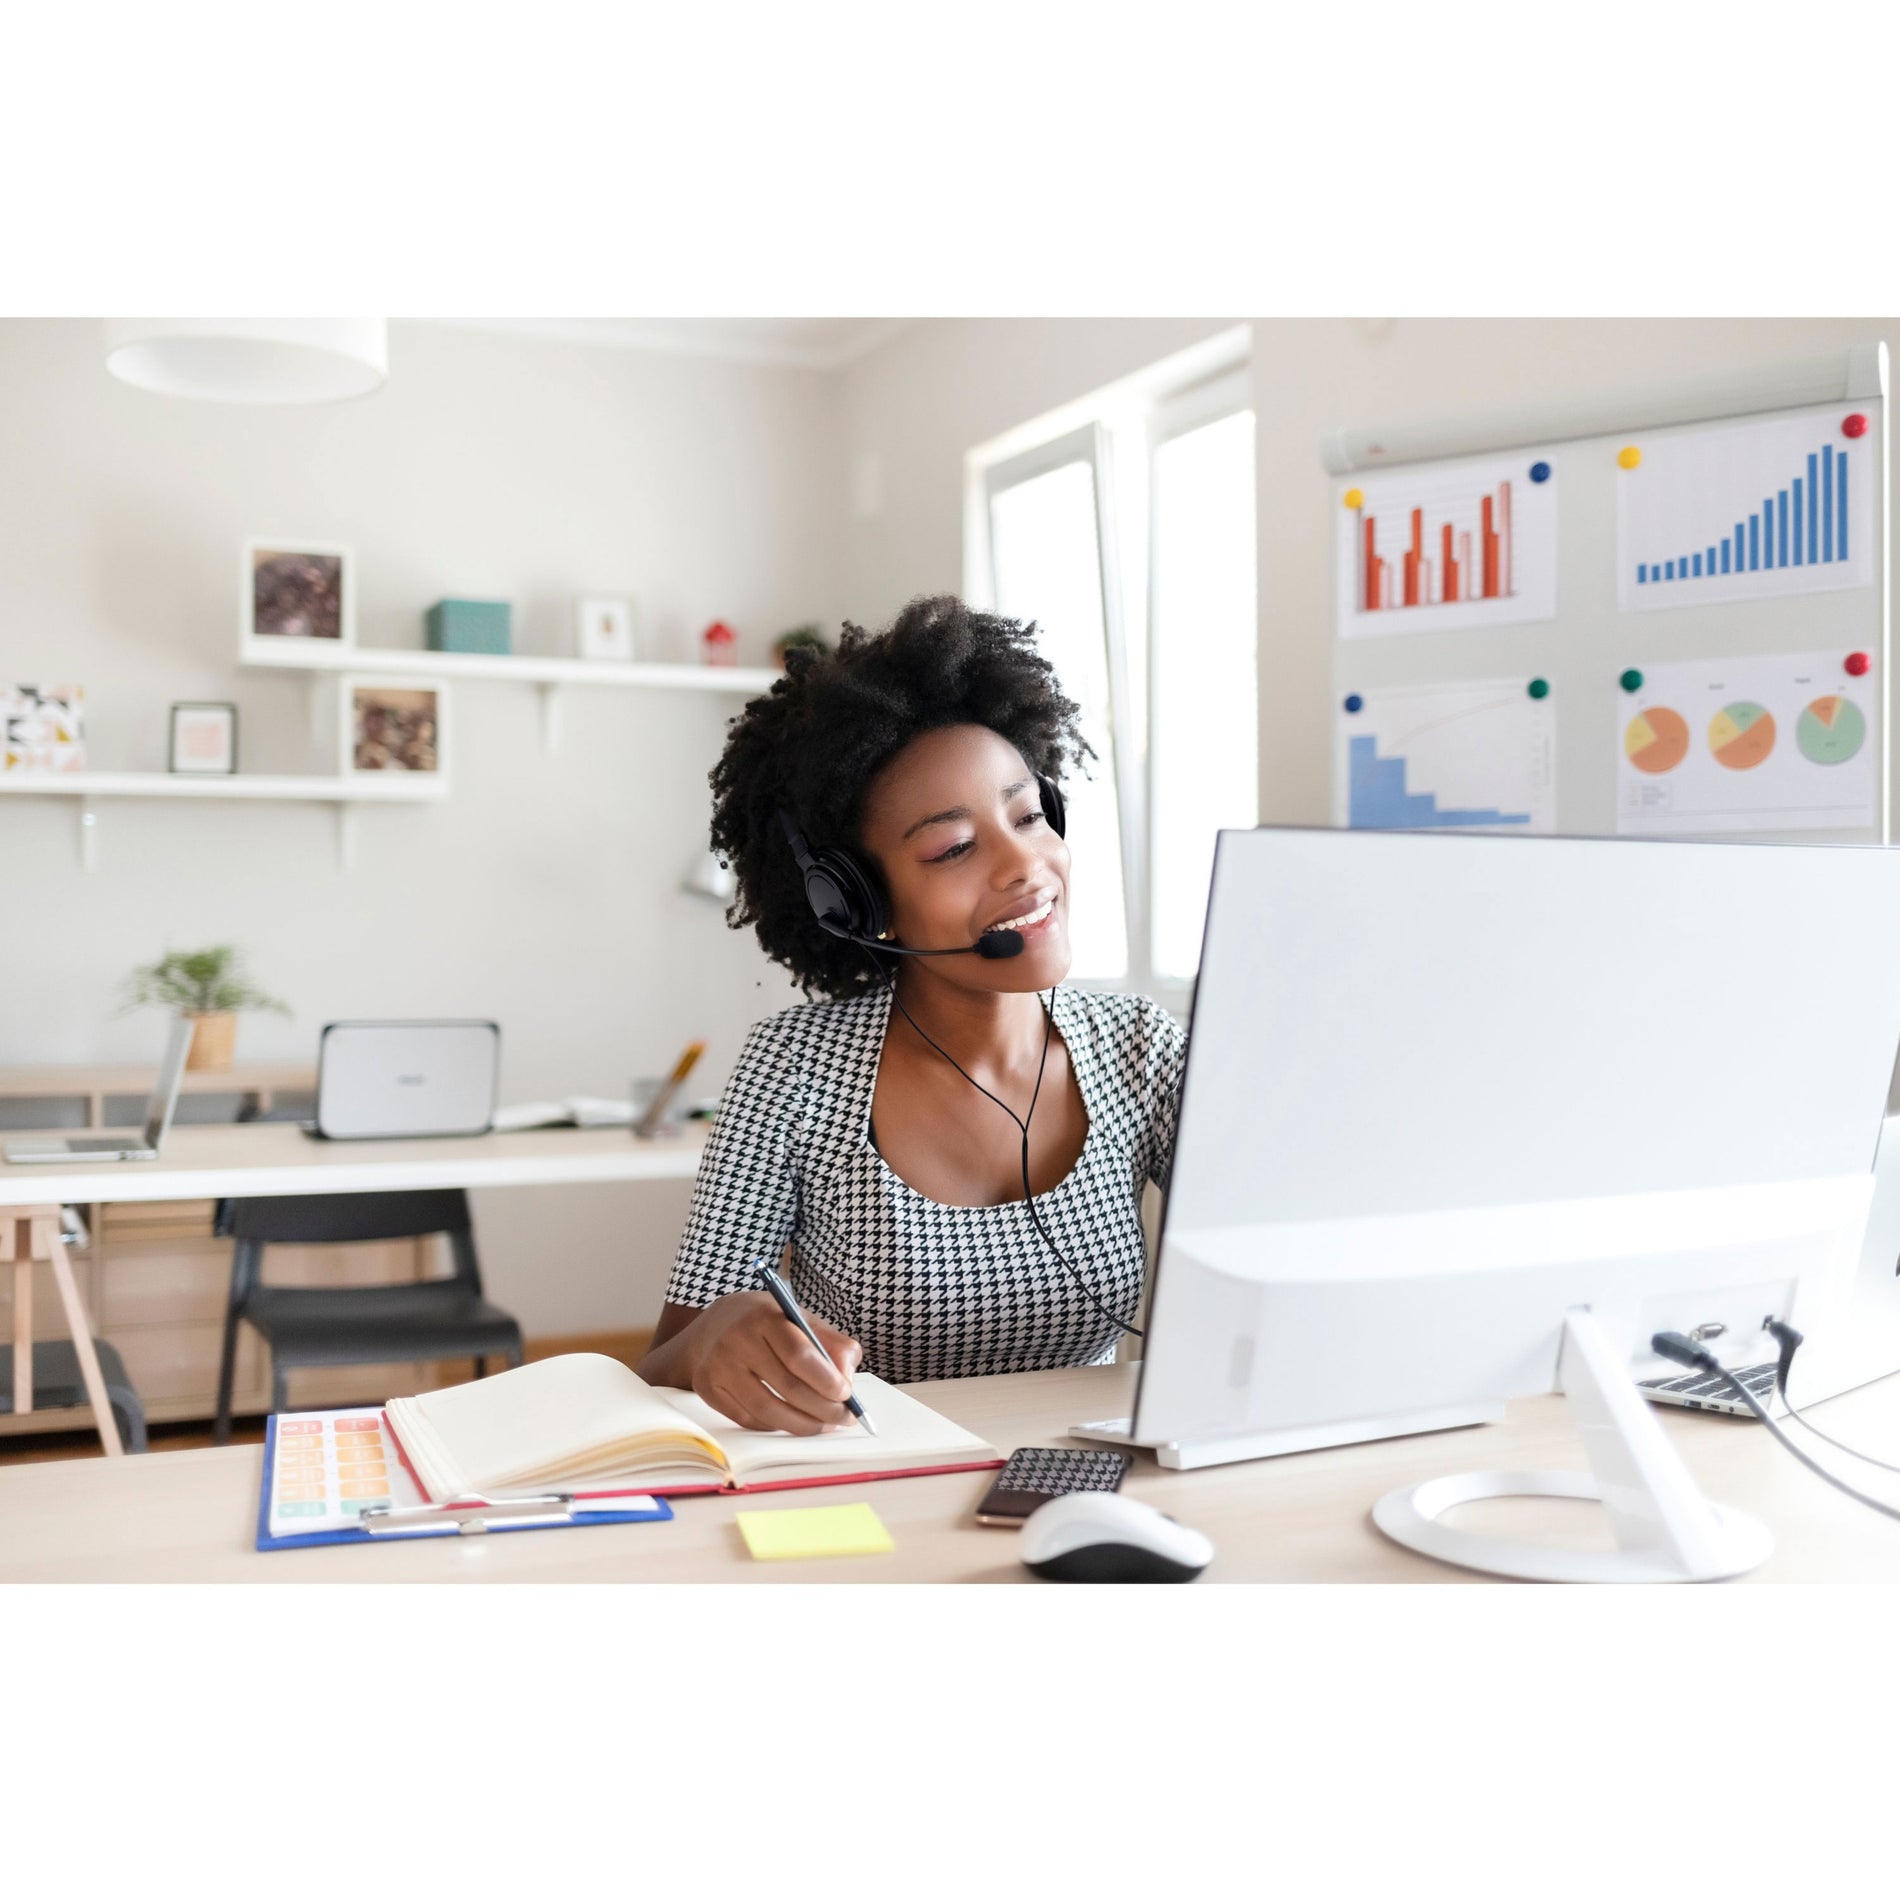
847, 895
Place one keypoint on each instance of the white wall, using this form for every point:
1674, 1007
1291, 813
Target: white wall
543, 892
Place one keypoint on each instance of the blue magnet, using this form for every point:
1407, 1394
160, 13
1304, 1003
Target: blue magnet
1540, 471
1354, 703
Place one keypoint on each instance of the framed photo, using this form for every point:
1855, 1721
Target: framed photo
603, 629
394, 725
204, 736
42, 728
299, 594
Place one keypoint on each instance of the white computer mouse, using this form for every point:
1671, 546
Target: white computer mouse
1099, 1537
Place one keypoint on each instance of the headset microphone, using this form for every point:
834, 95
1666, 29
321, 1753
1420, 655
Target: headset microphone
993, 944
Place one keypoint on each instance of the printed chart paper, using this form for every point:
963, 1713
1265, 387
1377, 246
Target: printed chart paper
1445, 545
1477, 756
330, 1468
1747, 511
1782, 743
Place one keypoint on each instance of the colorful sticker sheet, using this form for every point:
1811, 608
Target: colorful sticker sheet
329, 1467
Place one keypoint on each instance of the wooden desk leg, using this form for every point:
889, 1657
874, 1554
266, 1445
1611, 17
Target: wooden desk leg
22, 1311
48, 1245
23, 1335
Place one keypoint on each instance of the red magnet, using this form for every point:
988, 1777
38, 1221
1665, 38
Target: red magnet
1856, 424
1857, 664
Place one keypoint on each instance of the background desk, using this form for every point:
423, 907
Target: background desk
191, 1516
156, 1285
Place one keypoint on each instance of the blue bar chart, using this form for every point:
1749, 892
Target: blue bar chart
1379, 800
1477, 755
1772, 506
1818, 501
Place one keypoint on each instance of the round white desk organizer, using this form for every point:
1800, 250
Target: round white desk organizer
1411, 1516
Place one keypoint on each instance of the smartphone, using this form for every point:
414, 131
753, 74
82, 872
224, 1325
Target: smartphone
1037, 1473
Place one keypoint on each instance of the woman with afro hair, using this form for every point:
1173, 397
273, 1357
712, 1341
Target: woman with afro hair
944, 1154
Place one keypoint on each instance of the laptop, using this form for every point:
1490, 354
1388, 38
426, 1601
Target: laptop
143, 1146
382, 1080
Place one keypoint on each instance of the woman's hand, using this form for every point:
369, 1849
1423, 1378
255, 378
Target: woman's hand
747, 1360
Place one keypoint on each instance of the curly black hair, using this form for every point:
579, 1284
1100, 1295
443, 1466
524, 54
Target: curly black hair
813, 744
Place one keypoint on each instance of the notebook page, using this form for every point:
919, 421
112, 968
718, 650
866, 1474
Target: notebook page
490, 1433
908, 1433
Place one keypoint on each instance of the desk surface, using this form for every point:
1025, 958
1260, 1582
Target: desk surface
206, 1163
191, 1516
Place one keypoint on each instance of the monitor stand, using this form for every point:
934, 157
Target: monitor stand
1666, 1530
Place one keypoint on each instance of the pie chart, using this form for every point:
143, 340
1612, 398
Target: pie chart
1656, 740
1742, 735
1830, 730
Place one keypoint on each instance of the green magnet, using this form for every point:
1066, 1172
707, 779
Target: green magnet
1539, 689
1631, 681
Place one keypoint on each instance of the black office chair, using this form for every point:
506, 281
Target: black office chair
356, 1325
58, 1385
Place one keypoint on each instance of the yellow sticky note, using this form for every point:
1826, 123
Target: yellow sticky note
831, 1530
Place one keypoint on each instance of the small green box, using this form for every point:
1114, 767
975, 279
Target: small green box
468, 626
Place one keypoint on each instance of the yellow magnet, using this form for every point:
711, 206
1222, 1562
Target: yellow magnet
1355, 498
1629, 457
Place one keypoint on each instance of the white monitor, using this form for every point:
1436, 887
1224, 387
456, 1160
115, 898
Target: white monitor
1458, 1108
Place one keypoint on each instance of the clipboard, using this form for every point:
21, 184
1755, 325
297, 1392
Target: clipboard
331, 1443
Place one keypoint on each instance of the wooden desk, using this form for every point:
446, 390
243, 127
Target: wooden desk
191, 1516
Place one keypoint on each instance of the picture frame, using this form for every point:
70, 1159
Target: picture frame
603, 629
203, 738
393, 726
297, 595
42, 728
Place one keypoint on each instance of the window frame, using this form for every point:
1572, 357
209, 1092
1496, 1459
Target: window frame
1117, 433
1199, 404
1089, 446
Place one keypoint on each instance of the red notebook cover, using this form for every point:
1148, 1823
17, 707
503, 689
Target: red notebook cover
733, 1490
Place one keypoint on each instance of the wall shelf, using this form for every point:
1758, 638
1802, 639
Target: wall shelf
343, 793
549, 672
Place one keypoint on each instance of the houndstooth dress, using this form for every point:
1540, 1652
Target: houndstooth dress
931, 1291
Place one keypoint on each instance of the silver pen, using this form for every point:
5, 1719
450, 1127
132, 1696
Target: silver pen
789, 1307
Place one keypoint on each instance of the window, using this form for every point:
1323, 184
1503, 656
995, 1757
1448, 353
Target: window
1204, 724
1130, 543
1047, 550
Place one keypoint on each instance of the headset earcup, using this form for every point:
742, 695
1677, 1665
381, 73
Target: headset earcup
1053, 807
839, 883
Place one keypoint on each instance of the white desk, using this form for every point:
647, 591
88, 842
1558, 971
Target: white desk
253, 1158
191, 1516
250, 1158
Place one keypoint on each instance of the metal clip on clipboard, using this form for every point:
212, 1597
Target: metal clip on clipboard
472, 1515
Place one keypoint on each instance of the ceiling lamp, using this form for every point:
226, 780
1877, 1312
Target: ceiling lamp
250, 359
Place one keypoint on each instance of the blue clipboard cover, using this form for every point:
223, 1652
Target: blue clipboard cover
403, 1513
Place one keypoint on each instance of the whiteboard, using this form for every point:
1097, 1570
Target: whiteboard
1488, 560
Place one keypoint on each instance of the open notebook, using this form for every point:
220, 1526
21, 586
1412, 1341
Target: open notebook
583, 1422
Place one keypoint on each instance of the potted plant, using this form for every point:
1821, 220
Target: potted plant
805, 636
210, 987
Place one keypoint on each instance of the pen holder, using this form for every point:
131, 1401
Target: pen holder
641, 1095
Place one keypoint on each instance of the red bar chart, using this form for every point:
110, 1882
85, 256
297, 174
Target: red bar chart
1447, 545
1393, 576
